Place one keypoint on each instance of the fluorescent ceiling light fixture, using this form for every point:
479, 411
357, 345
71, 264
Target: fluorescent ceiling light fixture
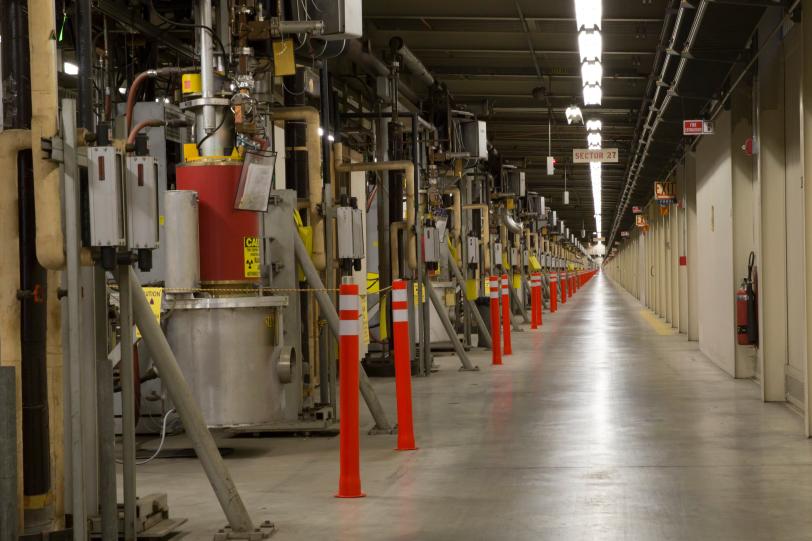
594, 140
588, 13
574, 115
594, 125
593, 95
591, 72
70, 68
590, 45
122, 90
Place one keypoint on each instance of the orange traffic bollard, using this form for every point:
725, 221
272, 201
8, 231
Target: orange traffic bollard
539, 300
553, 293
349, 481
533, 302
506, 316
496, 348
564, 292
403, 372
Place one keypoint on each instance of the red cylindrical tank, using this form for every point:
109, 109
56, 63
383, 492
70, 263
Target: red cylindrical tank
225, 233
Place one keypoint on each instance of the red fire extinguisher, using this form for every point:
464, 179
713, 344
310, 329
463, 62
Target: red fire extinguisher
746, 308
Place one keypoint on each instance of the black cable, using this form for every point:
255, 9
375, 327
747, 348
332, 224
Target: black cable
220, 125
190, 25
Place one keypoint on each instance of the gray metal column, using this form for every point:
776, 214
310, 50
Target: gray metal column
517, 300
75, 384
189, 411
331, 315
127, 375
8, 454
484, 332
449, 328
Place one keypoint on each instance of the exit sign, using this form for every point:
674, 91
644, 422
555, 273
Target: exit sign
697, 127
588, 155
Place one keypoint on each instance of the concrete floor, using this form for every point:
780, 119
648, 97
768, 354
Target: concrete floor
596, 428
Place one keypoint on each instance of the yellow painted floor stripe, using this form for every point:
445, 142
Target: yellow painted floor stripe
659, 326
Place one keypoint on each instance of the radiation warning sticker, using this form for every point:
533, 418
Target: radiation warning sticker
250, 253
154, 297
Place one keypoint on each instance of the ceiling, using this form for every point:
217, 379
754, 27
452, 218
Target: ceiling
481, 51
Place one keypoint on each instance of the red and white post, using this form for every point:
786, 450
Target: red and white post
564, 288
506, 315
496, 346
553, 292
539, 303
349, 306
533, 302
403, 372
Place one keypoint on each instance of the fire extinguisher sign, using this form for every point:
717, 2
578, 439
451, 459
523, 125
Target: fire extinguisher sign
251, 256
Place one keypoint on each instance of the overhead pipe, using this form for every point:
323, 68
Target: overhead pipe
657, 112
407, 166
411, 62
486, 233
373, 65
310, 116
44, 125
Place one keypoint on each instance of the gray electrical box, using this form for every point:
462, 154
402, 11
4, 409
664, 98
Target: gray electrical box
343, 19
350, 226
473, 251
142, 202
104, 190
497, 254
518, 185
475, 138
431, 245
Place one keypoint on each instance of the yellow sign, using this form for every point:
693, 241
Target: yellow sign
534, 264
284, 61
154, 297
251, 256
416, 294
364, 319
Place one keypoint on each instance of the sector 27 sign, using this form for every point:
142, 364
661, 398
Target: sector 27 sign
588, 155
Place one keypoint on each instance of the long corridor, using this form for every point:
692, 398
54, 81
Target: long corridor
602, 426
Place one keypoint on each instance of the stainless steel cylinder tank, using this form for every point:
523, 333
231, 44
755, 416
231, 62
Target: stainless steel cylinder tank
182, 240
225, 348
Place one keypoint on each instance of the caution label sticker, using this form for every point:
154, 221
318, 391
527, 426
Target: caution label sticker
250, 253
154, 297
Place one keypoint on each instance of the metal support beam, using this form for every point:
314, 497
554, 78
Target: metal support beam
449, 328
484, 333
328, 309
189, 411
122, 14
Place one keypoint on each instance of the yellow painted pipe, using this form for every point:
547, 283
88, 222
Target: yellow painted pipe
11, 143
45, 124
402, 165
310, 116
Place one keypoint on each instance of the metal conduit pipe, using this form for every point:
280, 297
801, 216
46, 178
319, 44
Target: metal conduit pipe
407, 166
486, 234
189, 411
513, 226
394, 242
310, 116
355, 51
11, 143
657, 112
328, 309
44, 125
